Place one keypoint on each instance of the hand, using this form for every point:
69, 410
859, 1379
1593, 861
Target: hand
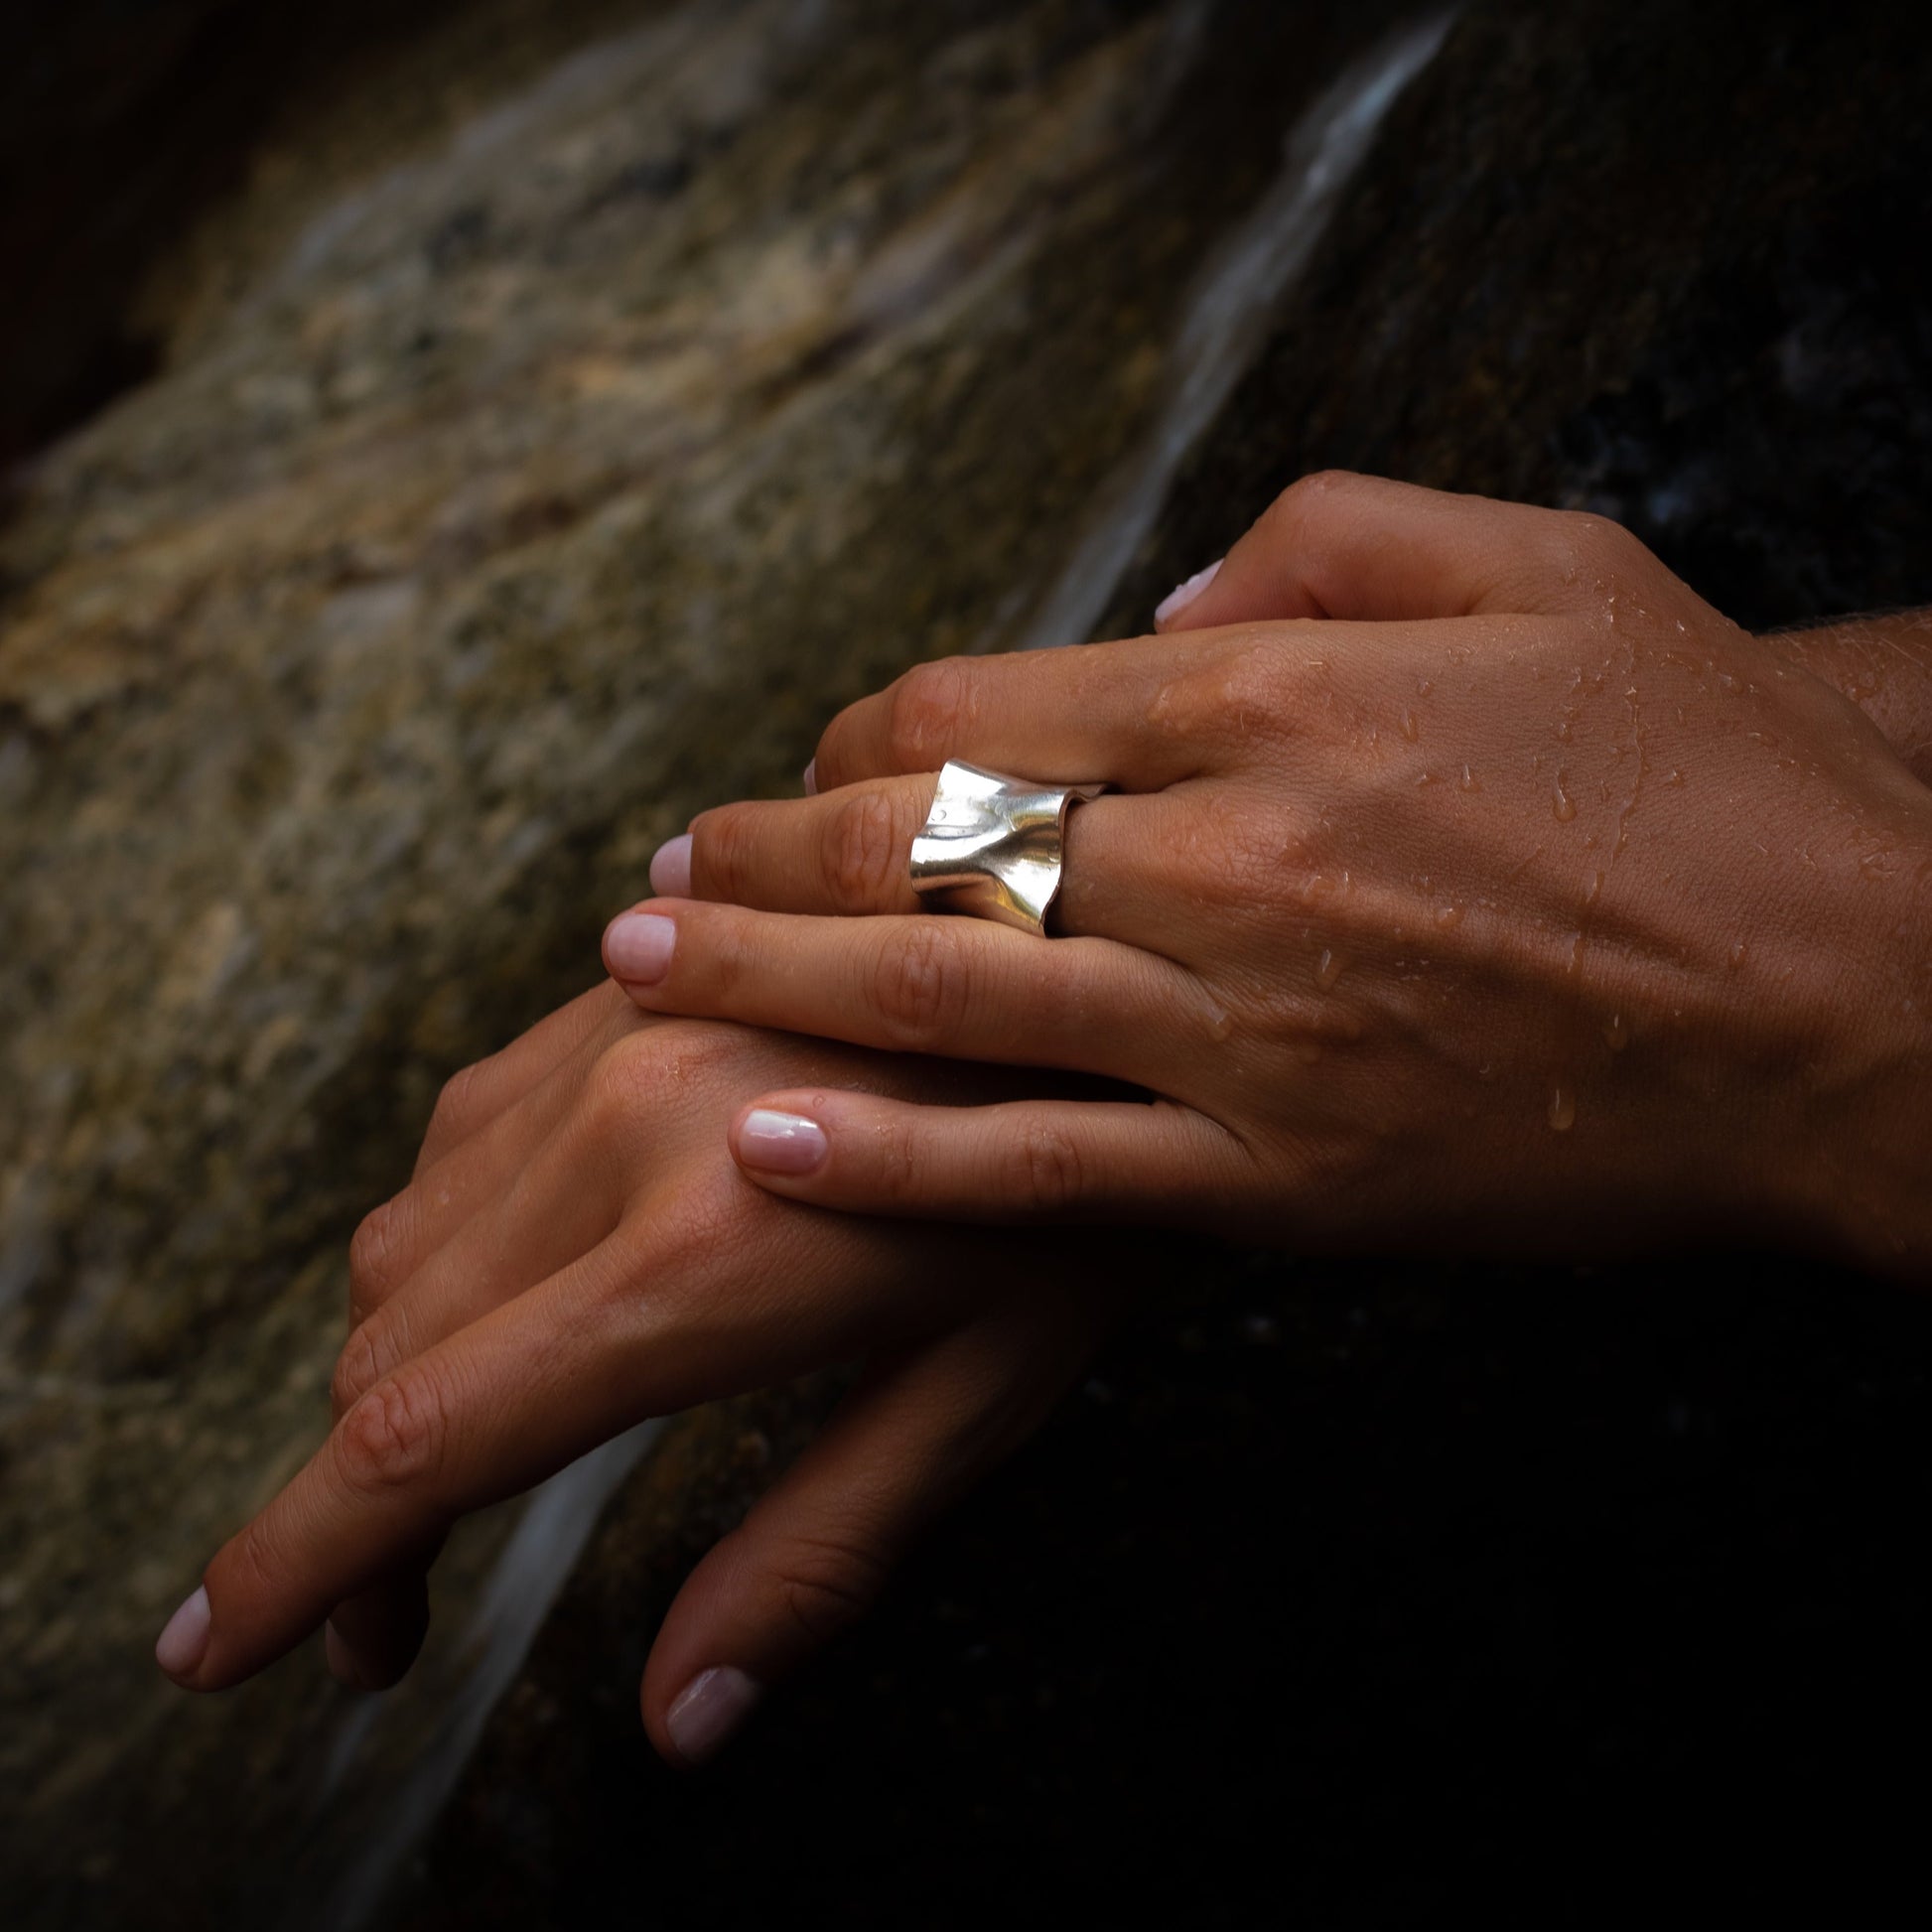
577, 1252
1471, 885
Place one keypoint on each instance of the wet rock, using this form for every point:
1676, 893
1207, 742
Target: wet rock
545, 440
534, 460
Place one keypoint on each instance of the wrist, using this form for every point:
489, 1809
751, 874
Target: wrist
1870, 1154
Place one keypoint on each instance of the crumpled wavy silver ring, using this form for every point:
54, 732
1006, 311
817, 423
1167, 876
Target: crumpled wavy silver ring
992, 846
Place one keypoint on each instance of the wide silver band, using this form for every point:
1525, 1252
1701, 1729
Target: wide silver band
992, 846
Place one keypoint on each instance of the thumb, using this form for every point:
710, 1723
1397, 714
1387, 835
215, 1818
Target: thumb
1338, 545
818, 1548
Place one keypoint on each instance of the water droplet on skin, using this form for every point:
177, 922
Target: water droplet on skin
1425, 685
1616, 1033
1562, 803
1574, 964
1594, 886
1220, 1023
1327, 969
1735, 956
1409, 729
1448, 917
1676, 778
1469, 781
1562, 1110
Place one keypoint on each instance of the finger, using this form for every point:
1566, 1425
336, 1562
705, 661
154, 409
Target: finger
483, 1416
396, 1240
555, 1205
474, 1096
1338, 545
1019, 1162
850, 851
372, 1639
816, 1550
926, 984
1084, 714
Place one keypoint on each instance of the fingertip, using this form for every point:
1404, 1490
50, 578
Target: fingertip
670, 868
184, 1639
638, 947
1168, 613
769, 1138
708, 1713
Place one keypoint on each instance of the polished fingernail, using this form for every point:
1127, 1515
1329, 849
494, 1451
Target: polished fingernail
1183, 594
705, 1713
638, 947
670, 868
811, 779
181, 1645
780, 1143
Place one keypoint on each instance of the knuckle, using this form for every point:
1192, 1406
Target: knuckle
375, 1256
1291, 508
456, 1105
919, 989
656, 1065
862, 856
358, 1367
825, 1583
1044, 1170
933, 706
393, 1436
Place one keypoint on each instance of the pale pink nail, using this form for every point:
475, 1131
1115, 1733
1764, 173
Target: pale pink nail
181, 1645
811, 779
670, 868
1183, 594
704, 1714
780, 1143
638, 947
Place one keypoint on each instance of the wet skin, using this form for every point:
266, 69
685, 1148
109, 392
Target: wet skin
1470, 886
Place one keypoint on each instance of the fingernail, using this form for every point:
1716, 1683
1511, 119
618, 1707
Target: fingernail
780, 1143
811, 779
180, 1646
638, 947
705, 1713
670, 868
1183, 594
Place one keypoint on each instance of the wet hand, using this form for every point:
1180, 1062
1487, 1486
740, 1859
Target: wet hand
1468, 883
576, 1252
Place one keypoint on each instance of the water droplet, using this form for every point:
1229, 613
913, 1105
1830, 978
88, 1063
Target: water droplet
1562, 1110
1594, 886
1574, 963
1425, 685
1616, 1033
1676, 778
1409, 729
1327, 969
1469, 782
1448, 917
1735, 956
1562, 803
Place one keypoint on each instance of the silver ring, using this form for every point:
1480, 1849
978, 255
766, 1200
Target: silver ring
992, 846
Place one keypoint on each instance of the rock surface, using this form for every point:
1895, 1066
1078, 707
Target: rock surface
536, 455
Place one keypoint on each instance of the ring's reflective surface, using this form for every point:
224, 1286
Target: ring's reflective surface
992, 846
